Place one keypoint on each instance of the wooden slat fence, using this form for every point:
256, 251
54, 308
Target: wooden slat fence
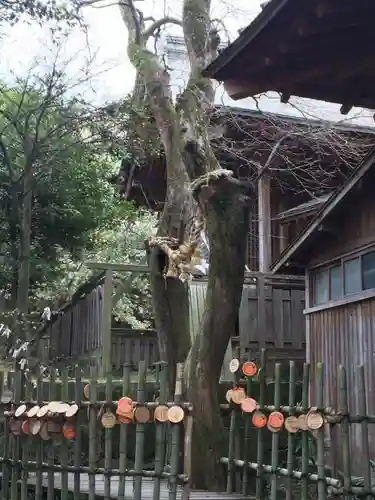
291, 449
97, 460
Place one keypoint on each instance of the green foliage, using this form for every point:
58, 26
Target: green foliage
38, 10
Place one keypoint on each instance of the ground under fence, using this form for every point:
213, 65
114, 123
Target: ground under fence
286, 442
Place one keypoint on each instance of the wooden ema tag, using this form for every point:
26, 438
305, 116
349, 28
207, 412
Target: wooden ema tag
53, 407
302, 422
248, 405
314, 421
43, 411
249, 368
273, 429
71, 411
108, 420
161, 413
291, 424
34, 426
25, 427
62, 408
21, 410
142, 414
276, 419
69, 430
123, 419
228, 395
238, 395
15, 427
86, 391
176, 414
234, 365
33, 411
124, 406
43, 433
259, 419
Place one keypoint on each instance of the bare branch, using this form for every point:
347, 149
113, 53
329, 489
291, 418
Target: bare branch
158, 24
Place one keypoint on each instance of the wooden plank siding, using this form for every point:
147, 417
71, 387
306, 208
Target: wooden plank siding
346, 335
271, 316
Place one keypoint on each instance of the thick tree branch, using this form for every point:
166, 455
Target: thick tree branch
158, 24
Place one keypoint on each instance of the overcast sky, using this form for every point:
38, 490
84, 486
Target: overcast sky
113, 75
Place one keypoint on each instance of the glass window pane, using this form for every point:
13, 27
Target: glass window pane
368, 270
352, 276
321, 287
336, 283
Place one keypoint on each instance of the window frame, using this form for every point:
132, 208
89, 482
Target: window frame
344, 297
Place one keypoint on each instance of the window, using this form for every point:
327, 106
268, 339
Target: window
368, 270
335, 285
352, 276
344, 278
321, 287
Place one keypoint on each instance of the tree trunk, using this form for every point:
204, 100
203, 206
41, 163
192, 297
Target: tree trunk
227, 217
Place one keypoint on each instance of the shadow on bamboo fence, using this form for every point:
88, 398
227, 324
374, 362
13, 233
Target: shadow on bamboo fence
96, 442
295, 450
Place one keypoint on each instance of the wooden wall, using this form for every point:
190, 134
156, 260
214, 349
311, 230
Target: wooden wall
346, 335
271, 316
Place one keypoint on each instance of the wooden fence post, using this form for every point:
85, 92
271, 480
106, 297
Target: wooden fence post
107, 323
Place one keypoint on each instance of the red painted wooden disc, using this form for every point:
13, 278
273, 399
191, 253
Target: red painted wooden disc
125, 406
276, 419
248, 405
259, 419
249, 369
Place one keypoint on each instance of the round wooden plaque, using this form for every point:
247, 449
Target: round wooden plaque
108, 420
238, 395
21, 410
175, 414
142, 414
34, 426
15, 427
25, 427
248, 405
234, 365
302, 422
43, 411
315, 421
124, 419
273, 429
228, 395
63, 408
33, 411
43, 433
86, 391
54, 406
249, 368
69, 431
259, 419
161, 413
276, 419
71, 411
291, 424
124, 406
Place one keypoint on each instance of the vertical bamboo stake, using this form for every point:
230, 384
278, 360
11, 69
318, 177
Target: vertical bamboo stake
362, 411
78, 395
107, 322
51, 450
232, 435
6, 471
160, 432
92, 439
64, 442
305, 435
39, 445
343, 405
275, 436
320, 438
108, 442
16, 440
25, 448
123, 461
175, 433
187, 455
292, 402
247, 441
260, 432
139, 434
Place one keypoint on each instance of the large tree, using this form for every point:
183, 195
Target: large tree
200, 195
